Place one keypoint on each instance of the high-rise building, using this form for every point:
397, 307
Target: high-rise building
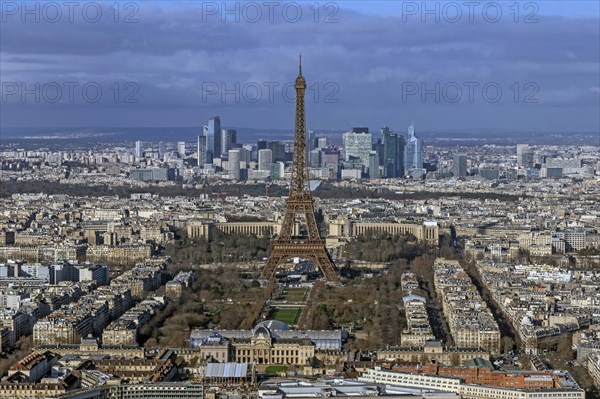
459, 166
314, 158
357, 144
251, 152
373, 165
138, 149
312, 141
401, 147
161, 149
390, 154
228, 138
524, 156
210, 143
378, 146
265, 159
262, 144
233, 162
214, 136
277, 170
201, 151
413, 154
278, 151
245, 155
393, 153
330, 156
322, 142
181, 148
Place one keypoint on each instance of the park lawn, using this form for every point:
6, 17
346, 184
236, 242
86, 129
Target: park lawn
289, 316
296, 294
276, 369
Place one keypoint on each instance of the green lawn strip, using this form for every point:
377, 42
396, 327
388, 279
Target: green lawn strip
296, 295
287, 315
276, 369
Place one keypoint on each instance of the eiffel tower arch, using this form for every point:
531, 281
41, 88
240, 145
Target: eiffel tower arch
287, 244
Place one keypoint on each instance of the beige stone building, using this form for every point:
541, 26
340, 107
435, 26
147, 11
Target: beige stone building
263, 348
343, 227
216, 347
206, 229
270, 342
122, 254
432, 350
418, 330
471, 322
120, 332
593, 367
61, 331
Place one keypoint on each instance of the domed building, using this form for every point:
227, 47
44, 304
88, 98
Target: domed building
274, 325
270, 342
265, 347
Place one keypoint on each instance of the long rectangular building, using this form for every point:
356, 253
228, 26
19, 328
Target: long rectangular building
176, 390
565, 387
323, 340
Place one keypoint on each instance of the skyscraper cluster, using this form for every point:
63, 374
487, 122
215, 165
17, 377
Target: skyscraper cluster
212, 143
215, 142
390, 156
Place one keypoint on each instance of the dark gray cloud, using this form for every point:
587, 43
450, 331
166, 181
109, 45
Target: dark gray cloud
360, 70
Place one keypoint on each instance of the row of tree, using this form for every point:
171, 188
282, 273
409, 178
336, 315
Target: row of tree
221, 298
370, 307
332, 190
221, 249
7, 188
325, 190
384, 248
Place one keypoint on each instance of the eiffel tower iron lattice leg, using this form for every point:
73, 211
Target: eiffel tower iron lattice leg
300, 202
313, 251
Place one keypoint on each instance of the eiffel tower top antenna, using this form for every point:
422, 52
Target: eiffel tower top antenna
300, 65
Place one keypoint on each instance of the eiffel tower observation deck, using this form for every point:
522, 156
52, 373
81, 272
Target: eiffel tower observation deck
310, 245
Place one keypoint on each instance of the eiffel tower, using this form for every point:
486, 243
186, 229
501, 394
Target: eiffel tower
300, 202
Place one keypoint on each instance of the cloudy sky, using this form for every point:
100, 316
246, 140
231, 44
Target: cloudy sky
447, 66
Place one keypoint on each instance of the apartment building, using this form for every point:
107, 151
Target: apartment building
471, 322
